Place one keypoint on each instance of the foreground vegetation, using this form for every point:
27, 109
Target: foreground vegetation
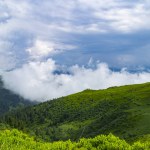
15, 140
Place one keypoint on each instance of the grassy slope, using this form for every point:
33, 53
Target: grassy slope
123, 111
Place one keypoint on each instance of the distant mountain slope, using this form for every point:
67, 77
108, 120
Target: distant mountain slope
9, 100
123, 111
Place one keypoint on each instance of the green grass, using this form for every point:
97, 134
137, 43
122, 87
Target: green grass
123, 111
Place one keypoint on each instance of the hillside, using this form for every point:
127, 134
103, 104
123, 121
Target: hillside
123, 111
10, 101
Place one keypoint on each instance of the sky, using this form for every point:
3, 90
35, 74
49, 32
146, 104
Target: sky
54, 48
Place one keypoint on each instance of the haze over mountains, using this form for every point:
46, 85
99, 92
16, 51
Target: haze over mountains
10, 101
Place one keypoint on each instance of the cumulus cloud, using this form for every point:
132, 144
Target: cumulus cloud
38, 80
43, 48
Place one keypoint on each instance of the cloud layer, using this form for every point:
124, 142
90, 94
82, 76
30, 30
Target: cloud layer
38, 80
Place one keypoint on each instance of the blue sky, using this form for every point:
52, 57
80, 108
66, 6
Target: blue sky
68, 34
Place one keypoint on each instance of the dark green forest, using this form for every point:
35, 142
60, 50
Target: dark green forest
123, 111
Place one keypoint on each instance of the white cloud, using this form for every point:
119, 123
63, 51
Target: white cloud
106, 15
117, 15
43, 48
36, 80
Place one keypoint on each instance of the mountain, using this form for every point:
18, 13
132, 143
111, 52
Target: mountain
123, 111
10, 101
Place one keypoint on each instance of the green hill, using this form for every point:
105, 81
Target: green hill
10, 101
123, 111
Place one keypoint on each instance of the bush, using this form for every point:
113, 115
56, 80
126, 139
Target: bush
16, 140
